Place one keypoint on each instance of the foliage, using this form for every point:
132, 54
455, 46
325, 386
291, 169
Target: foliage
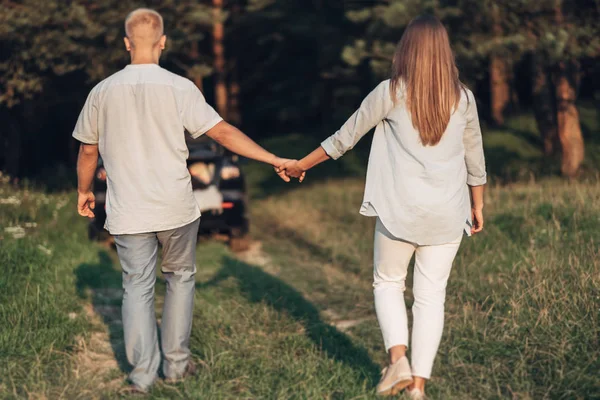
43, 39
286, 53
299, 64
523, 26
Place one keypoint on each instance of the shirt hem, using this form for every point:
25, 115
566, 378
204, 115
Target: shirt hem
79, 137
367, 209
202, 131
153, 228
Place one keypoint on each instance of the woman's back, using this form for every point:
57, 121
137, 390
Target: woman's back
433, 160
427, 146
418, 191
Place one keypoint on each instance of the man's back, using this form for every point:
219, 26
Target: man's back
138, 116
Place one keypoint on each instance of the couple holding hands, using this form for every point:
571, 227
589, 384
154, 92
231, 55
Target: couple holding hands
424, 184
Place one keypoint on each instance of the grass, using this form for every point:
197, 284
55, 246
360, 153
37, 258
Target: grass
295, 319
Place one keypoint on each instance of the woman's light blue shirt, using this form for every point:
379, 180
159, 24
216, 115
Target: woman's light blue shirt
420, 193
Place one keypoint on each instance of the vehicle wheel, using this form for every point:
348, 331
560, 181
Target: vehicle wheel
98, 235
93, 232
239, 244
238, 240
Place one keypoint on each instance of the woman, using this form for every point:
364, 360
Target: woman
425, 184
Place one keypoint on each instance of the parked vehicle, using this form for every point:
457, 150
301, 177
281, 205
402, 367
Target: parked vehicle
219, 187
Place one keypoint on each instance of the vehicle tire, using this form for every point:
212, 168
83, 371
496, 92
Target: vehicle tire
98, 235
93, 232
238, 245
238, 240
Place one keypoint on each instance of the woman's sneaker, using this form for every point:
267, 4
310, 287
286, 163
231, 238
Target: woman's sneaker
416, 394
395, 378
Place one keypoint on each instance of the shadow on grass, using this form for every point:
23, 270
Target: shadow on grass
260, 287
103, 282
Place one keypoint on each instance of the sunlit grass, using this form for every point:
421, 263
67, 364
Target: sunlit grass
523, 298
297, 320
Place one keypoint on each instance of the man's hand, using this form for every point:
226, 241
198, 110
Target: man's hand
281, 165
87, 161
277, 164
86, 202
292, 168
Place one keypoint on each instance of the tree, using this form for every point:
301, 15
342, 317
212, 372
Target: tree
499, 79
561, 34
557, 34
234, 113
219, 54
43, 41
566, 82
283, 54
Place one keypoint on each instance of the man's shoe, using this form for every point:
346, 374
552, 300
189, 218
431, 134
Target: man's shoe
190, 370
395, 378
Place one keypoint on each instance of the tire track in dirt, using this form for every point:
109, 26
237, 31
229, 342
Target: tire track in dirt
96, 364
256, 256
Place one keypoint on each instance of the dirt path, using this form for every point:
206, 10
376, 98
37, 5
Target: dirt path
96, 365
255, 255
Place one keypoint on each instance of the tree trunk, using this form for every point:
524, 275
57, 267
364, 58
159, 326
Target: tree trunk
195, 55
235, 115
219, 53
544, 107
499, 89
12, 143
567, 116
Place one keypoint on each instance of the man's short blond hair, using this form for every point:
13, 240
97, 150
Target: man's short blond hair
144, 26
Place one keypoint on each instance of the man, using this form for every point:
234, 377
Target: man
136, 120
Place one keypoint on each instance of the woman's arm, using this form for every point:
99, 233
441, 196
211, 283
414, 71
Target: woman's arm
475, 162
477, 208
372, 110
473, 143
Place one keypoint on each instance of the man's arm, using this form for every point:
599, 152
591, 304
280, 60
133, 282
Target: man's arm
236, 141
86, 168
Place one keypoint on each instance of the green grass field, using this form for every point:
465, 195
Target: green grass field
293, 317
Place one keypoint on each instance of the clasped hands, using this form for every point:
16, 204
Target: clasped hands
287, 169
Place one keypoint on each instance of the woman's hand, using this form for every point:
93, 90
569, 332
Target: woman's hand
278, 164
293, 169
477, 218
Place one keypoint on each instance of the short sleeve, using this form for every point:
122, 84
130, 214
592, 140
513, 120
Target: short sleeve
86, 129
197, 115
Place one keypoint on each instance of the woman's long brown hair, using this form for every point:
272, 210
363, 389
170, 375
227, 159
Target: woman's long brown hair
424, 64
